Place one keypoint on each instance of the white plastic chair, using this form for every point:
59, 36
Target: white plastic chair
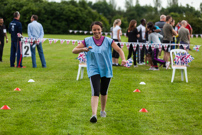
81, 69
174, 67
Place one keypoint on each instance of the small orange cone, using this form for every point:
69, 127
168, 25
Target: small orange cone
17, 89
143, 110
137, 90
5, 107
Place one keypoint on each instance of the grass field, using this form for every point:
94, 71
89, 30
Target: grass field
57, 104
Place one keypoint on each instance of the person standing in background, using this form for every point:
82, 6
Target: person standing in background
35, 30
161, 23
2, 35
15, 27
142, 30
117, 38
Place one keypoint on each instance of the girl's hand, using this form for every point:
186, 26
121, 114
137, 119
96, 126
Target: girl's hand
123, 62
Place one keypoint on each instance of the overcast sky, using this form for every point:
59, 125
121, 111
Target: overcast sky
121, 3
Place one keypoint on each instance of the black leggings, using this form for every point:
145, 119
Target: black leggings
130, 51
99, 85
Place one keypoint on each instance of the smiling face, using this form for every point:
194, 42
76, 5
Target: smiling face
97, 30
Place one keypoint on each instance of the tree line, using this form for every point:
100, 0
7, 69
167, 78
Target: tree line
59, 18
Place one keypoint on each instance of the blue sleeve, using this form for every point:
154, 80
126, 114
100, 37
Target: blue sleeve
157, 28
29, 31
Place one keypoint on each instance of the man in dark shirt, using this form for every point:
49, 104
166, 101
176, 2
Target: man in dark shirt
2, 35
15, 27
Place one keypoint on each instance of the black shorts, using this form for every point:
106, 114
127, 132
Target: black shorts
99, 85
168, 47
115, 54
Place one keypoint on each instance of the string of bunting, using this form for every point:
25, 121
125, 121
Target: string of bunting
134, 44
109, 33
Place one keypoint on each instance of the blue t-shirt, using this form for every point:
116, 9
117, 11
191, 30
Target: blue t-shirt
99, 58
15, 27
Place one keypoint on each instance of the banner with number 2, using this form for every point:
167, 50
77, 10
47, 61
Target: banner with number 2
26, 50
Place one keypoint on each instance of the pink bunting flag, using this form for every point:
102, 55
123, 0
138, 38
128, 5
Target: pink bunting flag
85, 32
80, 31
26, 40
192, 36
201, 35
197, 36
140, 45
134, 47
165, 47
160, 47
73, 42
91, 32
106, 33
61, 41
124, 34
50, 41
55, 40
128, 45
75, 31
70, 31
67, 41
152, 47
79, 42
147, 46
122, 44
110, 34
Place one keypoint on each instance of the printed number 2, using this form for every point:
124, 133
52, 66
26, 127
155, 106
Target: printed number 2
27, 49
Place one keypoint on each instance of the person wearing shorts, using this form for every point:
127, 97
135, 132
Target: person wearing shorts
116, 33
99, 65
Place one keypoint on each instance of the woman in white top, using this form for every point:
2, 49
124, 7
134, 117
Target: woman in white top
117, 38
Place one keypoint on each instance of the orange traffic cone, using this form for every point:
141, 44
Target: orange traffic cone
143, 110
17, 89
5, 107
137, 90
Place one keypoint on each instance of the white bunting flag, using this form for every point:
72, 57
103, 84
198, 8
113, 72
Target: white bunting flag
70, 31
55, 40
43, 40
50, 41
134, 47
75, 31
152, 46
110, 34
62, 41
165, 47
160, 47
122, 44
91, 32
128, 45
79, 42
185, 47
124, 34
25, 40
140, 45
147, 46
192, 36
31, 41
197, 36
106, 33
85, 32
80, 31
38, 41
201, 35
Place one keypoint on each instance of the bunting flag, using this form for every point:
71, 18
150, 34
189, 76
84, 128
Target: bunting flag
140, 45
67, 41
201, 35
50, 41
38, 41
122, 44
106, 33
91, 32
85, 32
134, 47
80, 31
129, 63
79, 42
152, 47
147, 46
125, 34
43, 40
25, 40
82, 57
62, 41
75, 31
197, 36
160, 47
31, 41
196, 47
185, 47
110, 34
73, 42
165, 47
70, 31
55, 40
128, 45
192, 36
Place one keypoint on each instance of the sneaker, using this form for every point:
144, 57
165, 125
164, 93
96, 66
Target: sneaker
143, 63
167, 65
21, 67
103, 114
118, 65
156, 69
93, 119
152, 68
140, 64
135, 66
